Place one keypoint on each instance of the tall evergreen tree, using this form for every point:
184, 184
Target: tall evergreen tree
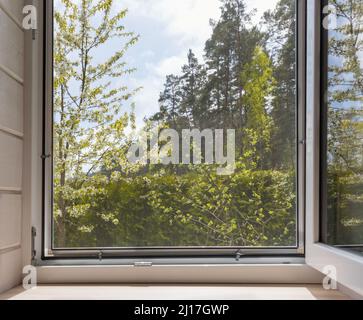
230, 47
169, 102
281, 41
193, 80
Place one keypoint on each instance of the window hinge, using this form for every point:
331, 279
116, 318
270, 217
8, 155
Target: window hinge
45, 156
143, 264
239, 253
100, 256
33, 251
34, 34
303, 142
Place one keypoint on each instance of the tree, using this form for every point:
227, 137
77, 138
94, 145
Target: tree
193, 80
345, 127
256, 205
88, 127
101, 200
169, 101
230, 47
281, 42
259, 84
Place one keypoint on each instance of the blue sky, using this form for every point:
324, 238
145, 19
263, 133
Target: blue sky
167, 29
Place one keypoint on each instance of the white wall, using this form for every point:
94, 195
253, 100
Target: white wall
11, 141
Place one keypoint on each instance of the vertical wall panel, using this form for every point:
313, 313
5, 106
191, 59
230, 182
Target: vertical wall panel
10, 269
11, 152
11, 103
11, 141
10, 220
14, 8
12, 45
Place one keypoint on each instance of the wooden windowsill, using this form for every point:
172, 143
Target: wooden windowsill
174, 292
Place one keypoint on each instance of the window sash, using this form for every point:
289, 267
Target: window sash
50, 253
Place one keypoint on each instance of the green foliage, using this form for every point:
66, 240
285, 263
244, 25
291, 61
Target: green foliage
281, 39
345, 125
103, 201
87, 125
252, 208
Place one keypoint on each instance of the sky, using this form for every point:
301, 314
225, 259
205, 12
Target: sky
167, 29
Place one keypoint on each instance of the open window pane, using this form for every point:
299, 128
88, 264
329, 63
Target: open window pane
174, 124
343, 215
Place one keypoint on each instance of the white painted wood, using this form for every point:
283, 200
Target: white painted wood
11, 103
32, 184
11, 132
12, 45
11, 153
246, 273
10, 220
14, 9
348, 266
173, 292
11, 145
10, 270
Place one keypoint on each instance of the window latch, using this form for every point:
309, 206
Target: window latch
239, 253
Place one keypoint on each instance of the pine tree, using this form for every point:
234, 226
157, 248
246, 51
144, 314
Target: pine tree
169, 102
193, 80
281, 41
230, 47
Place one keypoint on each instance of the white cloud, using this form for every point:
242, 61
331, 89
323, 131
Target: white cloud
152, 84
261, 6
170, 65
186, 25
186, 20
146, 101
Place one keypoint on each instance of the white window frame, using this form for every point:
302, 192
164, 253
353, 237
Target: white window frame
169, 254
253, 270
349, 266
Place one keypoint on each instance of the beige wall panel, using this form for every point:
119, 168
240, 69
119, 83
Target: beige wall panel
11, 103
12, 45
11, 156
14, 7
10, 270
10, 220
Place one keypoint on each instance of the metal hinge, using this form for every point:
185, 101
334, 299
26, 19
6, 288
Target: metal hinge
100, 255
239, 254
45, 156
33, 251
143, 264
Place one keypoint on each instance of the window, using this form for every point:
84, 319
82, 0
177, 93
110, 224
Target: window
343, 122
174, 128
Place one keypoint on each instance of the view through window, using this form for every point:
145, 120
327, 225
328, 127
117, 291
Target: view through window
174, 123
343, 36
